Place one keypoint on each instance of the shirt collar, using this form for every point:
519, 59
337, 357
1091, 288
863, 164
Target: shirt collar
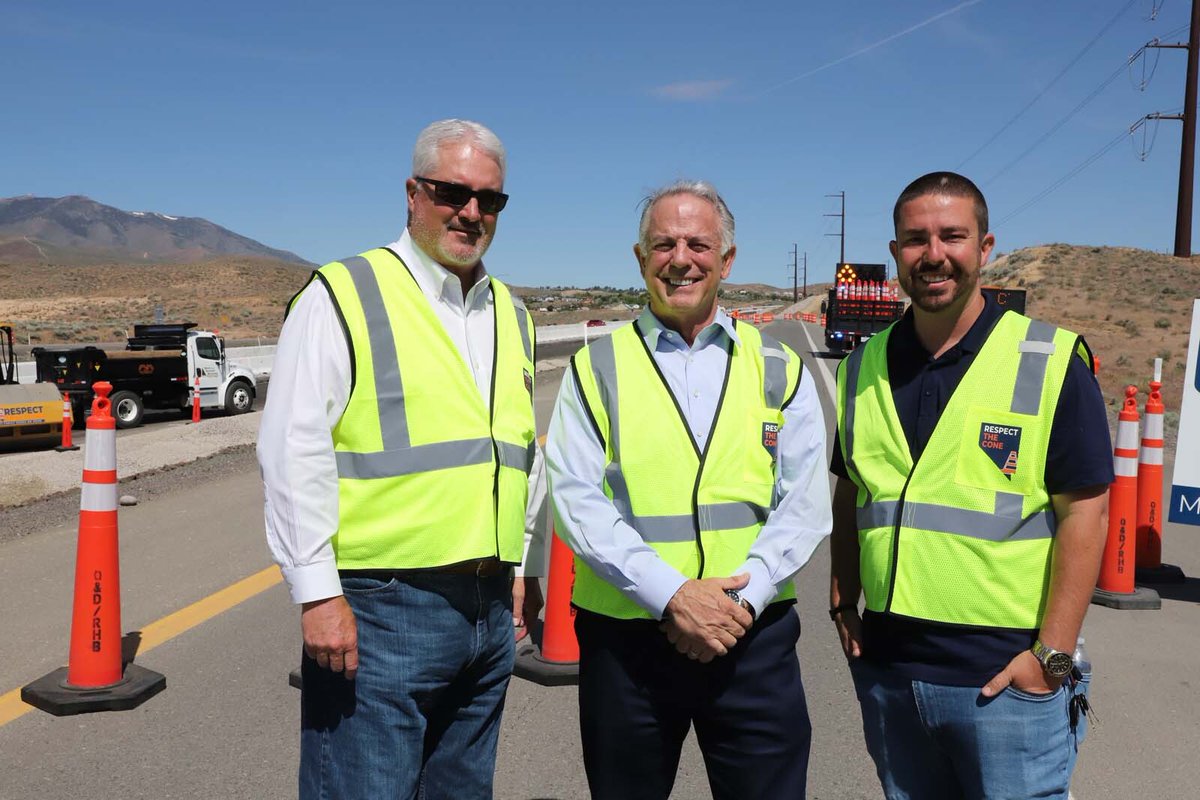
971, 342
431, 276
653, 329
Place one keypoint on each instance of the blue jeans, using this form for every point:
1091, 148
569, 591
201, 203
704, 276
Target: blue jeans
932, 741
423, 716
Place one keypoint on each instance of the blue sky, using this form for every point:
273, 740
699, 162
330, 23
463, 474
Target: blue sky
293, 123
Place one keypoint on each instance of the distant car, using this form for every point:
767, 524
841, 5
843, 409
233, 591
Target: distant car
595, 323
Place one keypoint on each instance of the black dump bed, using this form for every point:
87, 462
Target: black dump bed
79, 367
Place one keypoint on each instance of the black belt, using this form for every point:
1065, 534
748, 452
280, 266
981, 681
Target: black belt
480, 567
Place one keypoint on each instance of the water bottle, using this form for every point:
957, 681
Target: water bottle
1082, 661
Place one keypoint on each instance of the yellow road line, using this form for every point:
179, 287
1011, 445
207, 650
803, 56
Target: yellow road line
170, 626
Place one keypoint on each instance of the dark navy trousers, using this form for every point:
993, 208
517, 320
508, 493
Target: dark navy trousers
638, 697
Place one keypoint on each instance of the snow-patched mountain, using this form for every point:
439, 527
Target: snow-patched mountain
76, 228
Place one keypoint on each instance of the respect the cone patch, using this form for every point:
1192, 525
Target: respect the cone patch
1002, 443
770, 438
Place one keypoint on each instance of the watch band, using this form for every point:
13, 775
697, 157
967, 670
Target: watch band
736, 596
833, 612
1056, 663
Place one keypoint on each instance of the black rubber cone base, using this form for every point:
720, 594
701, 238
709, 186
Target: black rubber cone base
51, 694
1163, 573
62, 449
532, 667
1140, 598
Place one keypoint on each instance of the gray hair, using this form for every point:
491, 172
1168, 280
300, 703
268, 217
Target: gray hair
702, 189
425, 151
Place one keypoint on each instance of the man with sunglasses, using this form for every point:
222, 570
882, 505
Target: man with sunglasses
684, 458
401, 475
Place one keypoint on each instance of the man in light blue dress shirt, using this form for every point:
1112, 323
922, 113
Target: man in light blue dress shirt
713, 652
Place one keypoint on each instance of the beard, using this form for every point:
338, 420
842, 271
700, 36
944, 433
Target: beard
937, 298
439, 242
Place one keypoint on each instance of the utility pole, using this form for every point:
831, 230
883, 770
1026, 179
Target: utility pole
805, 294
1187, 148
795, 289
842, 234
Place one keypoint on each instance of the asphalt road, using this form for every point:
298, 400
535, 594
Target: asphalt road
226, 726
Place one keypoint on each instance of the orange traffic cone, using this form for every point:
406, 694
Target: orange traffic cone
196, 401
1150, 568
1115, 586
67, 421
557, 662
94, 679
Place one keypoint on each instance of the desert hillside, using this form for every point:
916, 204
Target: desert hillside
1131, 305
241, 297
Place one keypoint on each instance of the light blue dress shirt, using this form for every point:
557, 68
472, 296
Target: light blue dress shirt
590, 524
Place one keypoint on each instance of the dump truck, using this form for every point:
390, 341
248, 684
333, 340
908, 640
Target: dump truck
30, 413
860, 305
159, 368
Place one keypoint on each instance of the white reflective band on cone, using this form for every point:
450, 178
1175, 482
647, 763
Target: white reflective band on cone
1127, 436
1125, 467
100, 451
1154, 427
1151, 456
98, 497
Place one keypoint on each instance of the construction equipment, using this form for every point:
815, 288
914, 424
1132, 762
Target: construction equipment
30, 413
157, 369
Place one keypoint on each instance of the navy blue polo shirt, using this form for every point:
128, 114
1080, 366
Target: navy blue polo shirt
1079, 456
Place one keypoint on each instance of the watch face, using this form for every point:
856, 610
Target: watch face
1058, 664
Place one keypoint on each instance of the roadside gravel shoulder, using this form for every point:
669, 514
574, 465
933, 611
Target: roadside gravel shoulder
62, 508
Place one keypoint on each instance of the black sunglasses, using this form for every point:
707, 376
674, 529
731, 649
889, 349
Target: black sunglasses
457, 195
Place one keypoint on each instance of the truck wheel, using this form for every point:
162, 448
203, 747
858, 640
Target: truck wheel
127, 409
240, 398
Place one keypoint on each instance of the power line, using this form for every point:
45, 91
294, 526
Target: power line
1080, 168
1050, 85
1054, 129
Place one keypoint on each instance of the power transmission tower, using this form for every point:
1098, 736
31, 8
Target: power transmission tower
842, 234
1187, 149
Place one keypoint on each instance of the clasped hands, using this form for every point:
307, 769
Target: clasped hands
702, 622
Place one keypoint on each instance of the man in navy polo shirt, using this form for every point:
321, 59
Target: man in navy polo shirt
972, 457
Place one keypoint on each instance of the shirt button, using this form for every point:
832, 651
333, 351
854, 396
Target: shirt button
928, 393
695, 394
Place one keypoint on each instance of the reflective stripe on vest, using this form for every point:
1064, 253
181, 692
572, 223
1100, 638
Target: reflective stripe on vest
716, 511
964, 536
427, 445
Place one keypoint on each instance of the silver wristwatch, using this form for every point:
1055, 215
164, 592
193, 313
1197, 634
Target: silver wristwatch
1056, 663
736, 596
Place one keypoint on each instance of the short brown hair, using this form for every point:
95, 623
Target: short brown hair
944, 183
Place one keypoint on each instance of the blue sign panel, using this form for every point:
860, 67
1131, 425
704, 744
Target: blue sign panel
1185, 505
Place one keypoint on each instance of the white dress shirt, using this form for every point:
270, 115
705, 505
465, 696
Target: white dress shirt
309, 389
592, 526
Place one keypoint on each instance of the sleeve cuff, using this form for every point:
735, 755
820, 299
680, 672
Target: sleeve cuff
659, 584
312, 581
759, 591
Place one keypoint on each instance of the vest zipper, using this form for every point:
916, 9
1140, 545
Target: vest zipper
896, 541
492, 421
701, 456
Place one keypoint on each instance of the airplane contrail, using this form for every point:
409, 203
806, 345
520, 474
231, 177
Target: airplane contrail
873, 46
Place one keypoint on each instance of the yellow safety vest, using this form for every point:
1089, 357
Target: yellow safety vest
965, 535
700, 511
426, 476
